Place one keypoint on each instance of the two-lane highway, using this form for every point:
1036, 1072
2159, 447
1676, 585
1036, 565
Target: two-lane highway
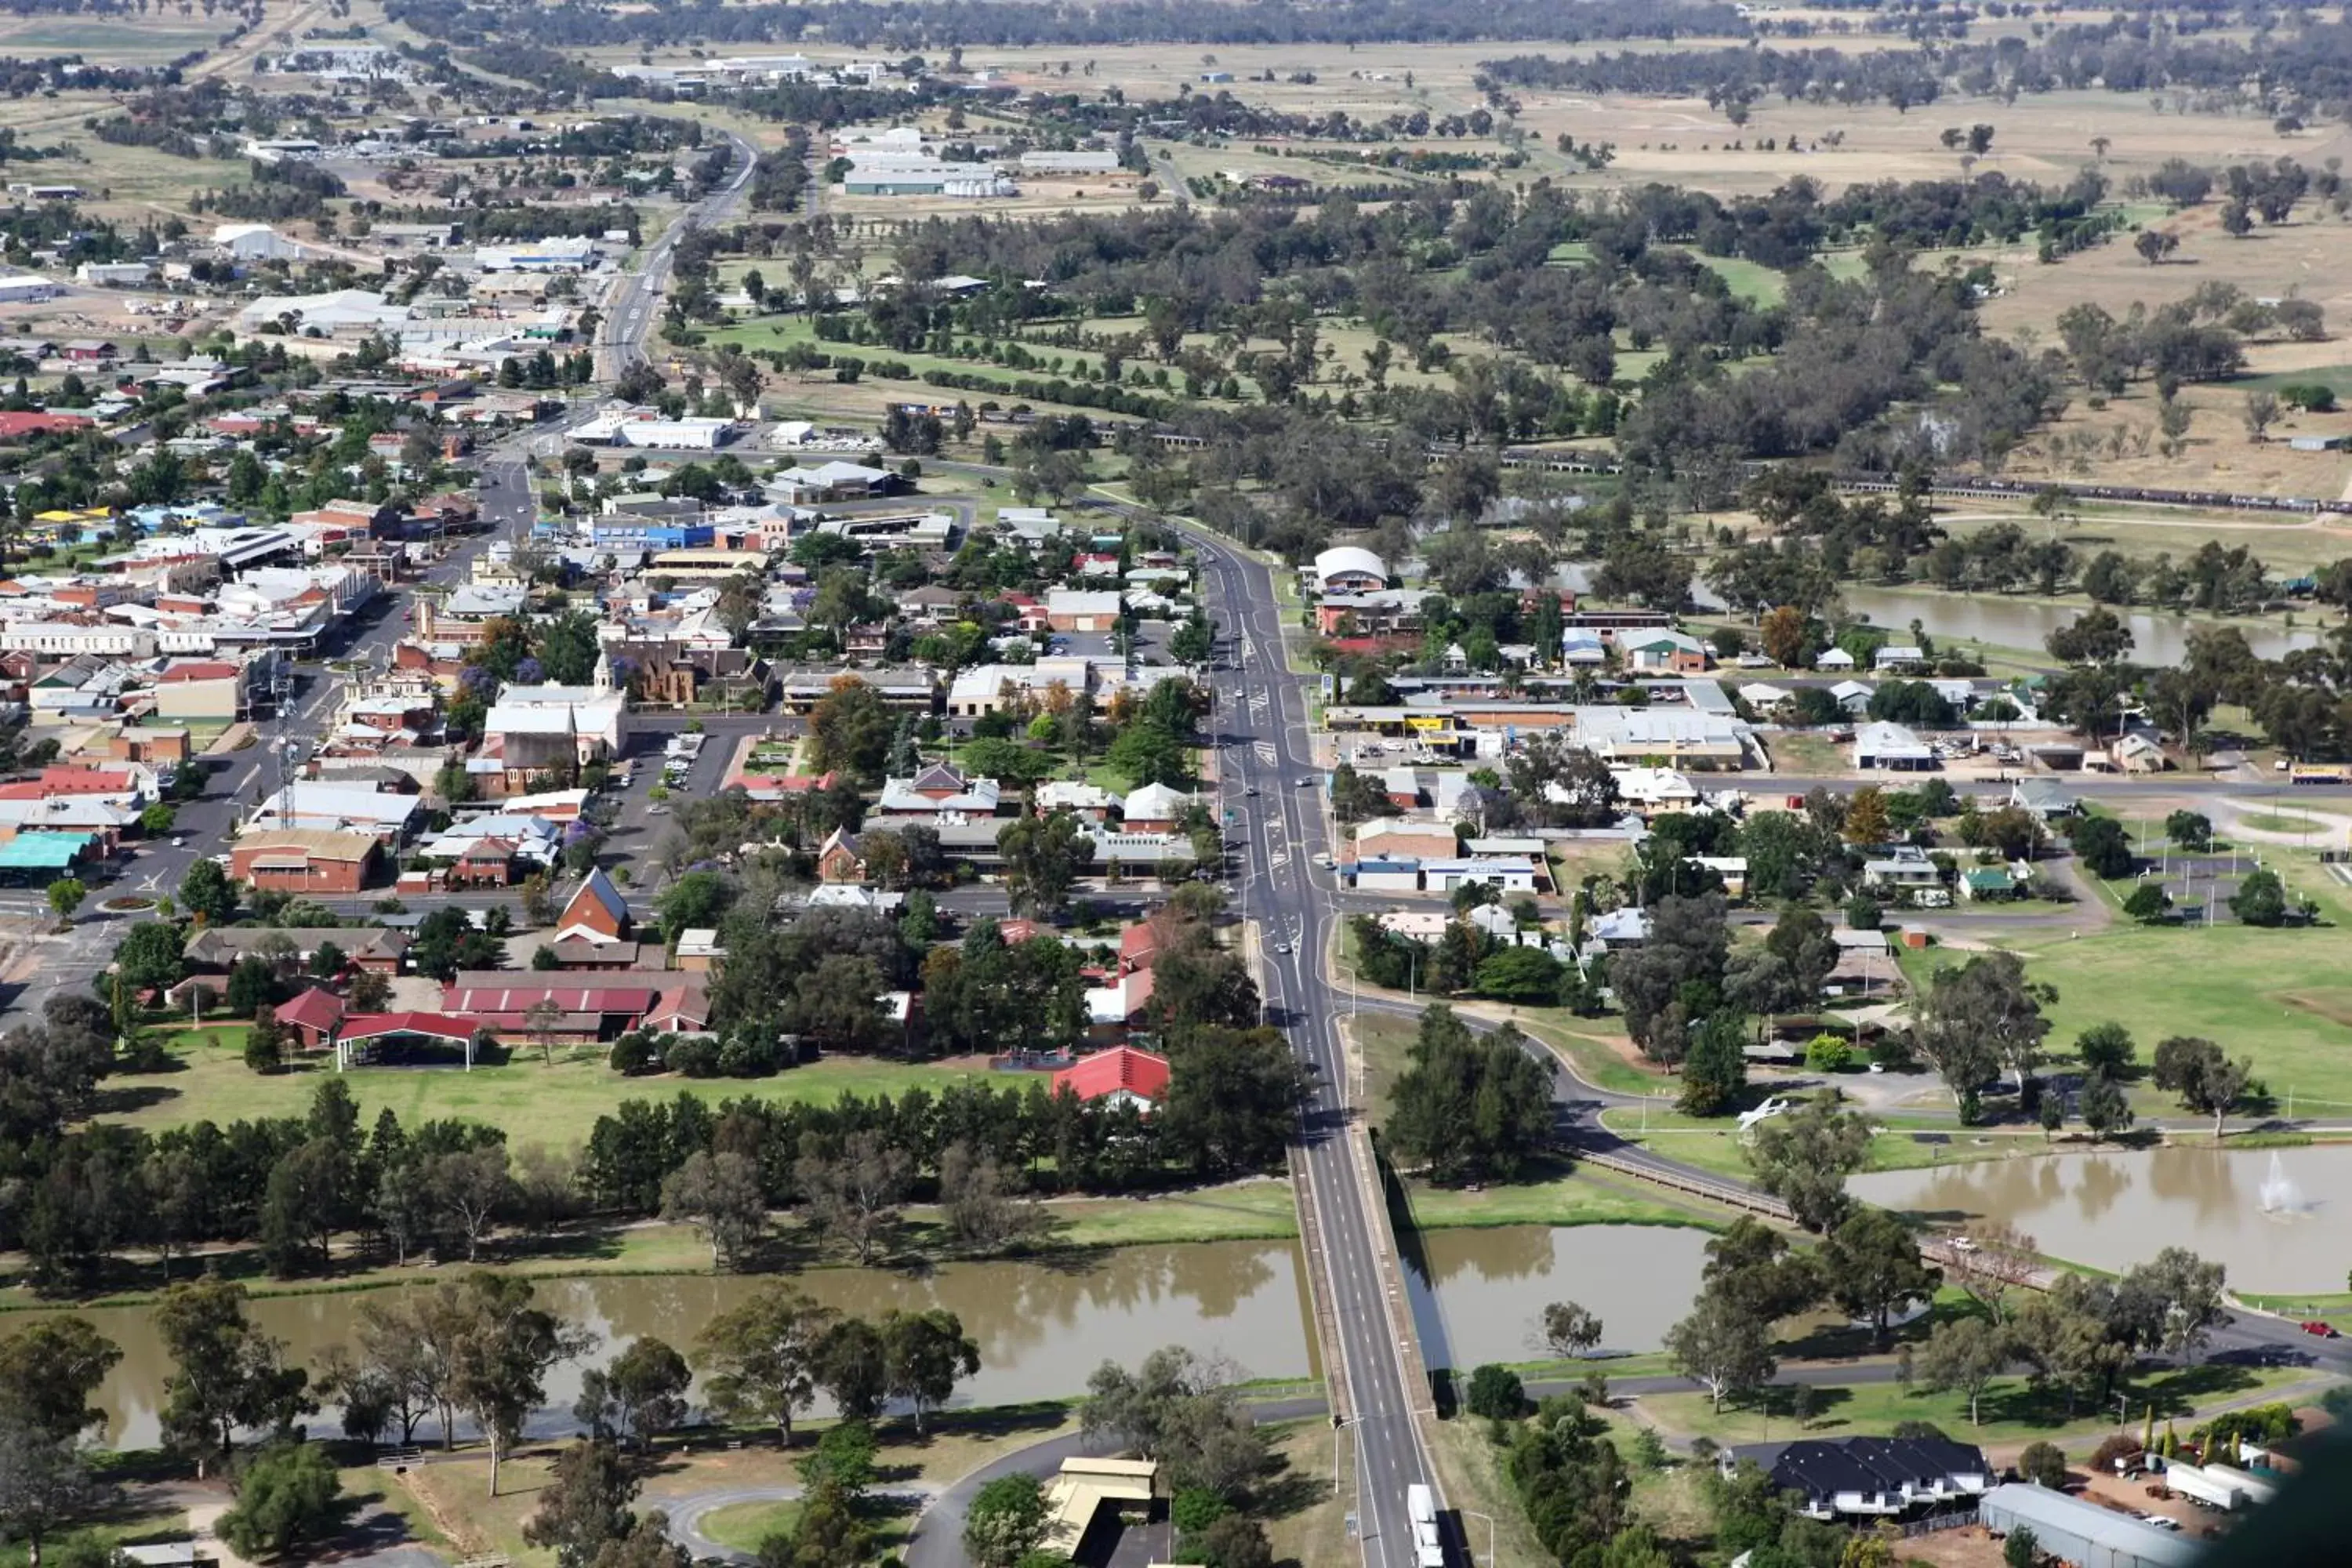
635, 302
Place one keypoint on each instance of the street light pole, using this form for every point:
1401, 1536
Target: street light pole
1471, 1513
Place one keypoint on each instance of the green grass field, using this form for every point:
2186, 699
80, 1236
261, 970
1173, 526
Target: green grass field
2278, 997
1749, 280
745, 1525
1712, 1146
1578, 1198
534, 1101
2013, 1409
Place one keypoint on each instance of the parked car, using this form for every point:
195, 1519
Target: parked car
2322, 1331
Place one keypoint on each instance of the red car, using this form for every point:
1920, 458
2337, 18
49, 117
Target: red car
2324, 1330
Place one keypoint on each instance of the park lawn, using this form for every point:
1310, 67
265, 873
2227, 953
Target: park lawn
2273, 996
1579, 1197
1262, 1209
746, 1524
532, 1101
2013, 1409
1712, 1145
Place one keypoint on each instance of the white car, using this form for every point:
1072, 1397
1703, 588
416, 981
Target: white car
179, 844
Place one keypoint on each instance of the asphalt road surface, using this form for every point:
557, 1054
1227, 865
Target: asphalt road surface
636, 303
1267, 776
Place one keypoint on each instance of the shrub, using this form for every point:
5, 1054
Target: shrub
2043, 1463
634, 1053
1828, 1053
1496, 1392
694, 1056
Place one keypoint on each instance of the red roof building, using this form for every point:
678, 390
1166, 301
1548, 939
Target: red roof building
27, 423
1121, 1074
312, 1016
363, 1034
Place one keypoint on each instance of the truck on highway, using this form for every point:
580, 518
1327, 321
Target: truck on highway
1421, 1507
2320, 773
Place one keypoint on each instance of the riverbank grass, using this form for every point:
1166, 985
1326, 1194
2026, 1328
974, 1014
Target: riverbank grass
1579, 1196
1261, 1209
2013, 1409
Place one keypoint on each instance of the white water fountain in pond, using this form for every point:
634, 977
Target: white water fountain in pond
2279, 1193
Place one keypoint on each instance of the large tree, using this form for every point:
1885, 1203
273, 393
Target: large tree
719, 1195
759, 1359
227, 1375
2204, 1076
1803, 1157
1963, 1357
1981, 1017
924, 1356
1723, 1346
505, 1345
1874, 1269
45, 1484
638, 1396
48, 1373
1674, 976
1043, 859
1232, 1100
584, 1505
1471, 1108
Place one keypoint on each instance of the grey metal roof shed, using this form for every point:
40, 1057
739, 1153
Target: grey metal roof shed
2083, 1532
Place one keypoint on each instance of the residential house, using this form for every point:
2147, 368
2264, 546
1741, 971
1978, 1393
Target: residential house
1121, 1076
1906, 868
312, 1019
1868, 1478
1898, 659
2138, 752
1888, 745
1836, 660
2045, 798
1663, 651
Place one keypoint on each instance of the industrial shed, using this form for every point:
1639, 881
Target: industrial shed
2083, 1532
